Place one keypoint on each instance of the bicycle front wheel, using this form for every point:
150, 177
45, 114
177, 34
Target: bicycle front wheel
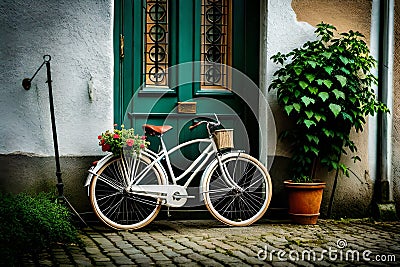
246, 200
114, 204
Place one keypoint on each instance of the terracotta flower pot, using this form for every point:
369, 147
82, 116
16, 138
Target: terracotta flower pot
304, 201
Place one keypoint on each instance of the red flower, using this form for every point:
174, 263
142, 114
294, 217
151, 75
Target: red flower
141, 145
99, 137
143, 137
130, 142
105, 147
116, 136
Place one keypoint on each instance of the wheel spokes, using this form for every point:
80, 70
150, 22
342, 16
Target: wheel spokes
114, 204
241, 204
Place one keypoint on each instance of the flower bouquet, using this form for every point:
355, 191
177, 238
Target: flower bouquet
122, 140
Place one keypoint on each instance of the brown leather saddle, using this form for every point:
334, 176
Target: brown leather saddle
156, 130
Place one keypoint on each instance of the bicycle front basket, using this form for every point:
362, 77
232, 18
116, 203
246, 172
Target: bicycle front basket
224, 138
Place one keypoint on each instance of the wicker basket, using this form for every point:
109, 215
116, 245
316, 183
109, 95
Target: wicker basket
224, 138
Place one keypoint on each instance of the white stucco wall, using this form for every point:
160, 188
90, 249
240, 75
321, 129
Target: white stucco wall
283, 34
78, 36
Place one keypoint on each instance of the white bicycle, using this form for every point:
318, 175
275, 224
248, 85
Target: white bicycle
127, 192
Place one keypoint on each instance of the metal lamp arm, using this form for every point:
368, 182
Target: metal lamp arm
27, 82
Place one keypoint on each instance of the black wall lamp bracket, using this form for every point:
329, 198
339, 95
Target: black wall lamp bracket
26, 84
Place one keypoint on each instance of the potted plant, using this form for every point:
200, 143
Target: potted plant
122, 141
325, 88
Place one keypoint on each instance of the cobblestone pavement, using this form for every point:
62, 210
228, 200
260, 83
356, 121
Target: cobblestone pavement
209, 243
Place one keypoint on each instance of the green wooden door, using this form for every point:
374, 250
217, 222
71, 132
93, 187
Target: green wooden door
147, 91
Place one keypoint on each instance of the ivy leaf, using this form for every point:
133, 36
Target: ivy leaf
344, 70
303, 84
313, 64
285, 99
298, 70
347, 117
310, 77
328, 83
324, 96
352, 99
334, 165
345, 60
313, 138
341, 79
328, 133
313, 90
335, 109
309, 123
338, 94
327, 54
309, 113
297, 93
329, 69
307, 100
344, 169
315, 150
288, 109
297, 106
318, 117
320, 82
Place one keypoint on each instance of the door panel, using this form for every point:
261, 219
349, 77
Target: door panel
136, 104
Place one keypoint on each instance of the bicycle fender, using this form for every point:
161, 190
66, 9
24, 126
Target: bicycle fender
94, 169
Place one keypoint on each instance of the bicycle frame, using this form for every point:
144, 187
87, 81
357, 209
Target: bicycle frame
171, 192
164, 153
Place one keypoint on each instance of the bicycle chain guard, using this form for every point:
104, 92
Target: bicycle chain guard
172, 195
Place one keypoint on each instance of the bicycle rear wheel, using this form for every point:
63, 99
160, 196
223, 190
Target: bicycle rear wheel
112, 202
245, 203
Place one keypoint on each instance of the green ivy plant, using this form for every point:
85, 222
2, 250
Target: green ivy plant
325, 87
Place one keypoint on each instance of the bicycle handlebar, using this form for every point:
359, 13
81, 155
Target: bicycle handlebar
209, 123
201, 122
195, 125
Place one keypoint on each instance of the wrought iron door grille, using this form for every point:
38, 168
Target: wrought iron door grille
215, 43
156, 37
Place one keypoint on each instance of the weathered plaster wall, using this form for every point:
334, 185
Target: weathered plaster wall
290, 24
396, 107
344, 14
78, 36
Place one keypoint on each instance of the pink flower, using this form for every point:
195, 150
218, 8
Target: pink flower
116, 136
115, 125
141, 145
130, 142
143, 137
